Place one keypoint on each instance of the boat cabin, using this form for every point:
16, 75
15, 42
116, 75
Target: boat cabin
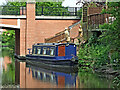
54, 49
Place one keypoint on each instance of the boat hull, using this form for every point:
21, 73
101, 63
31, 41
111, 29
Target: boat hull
53, 62
58, 67
48, 63
20, 58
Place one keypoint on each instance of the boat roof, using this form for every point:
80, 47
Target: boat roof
46, 44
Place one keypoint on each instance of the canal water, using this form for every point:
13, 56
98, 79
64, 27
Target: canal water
15, 74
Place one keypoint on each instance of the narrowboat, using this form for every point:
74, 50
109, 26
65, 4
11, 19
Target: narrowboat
61, 55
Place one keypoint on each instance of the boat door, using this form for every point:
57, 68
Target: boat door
61, 50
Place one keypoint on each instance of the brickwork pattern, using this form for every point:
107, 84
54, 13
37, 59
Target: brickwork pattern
22, 37
48, 28
9, 21
61, 38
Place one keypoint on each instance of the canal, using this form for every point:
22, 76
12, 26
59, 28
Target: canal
15, 74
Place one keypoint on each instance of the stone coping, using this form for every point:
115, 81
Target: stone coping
40, 17
12, 16
9, 26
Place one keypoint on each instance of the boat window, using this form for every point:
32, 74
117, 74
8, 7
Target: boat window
44, 51
52, 51
39, 51
34, 50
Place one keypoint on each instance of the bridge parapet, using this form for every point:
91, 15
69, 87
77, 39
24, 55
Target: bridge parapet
12, 10
42, 11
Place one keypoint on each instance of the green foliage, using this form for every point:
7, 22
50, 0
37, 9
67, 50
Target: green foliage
49, 8
104, 49
8, 38
49, 4
8, 8
79, 12
94, 52
92, 4
16, 4
116, 82
8, 77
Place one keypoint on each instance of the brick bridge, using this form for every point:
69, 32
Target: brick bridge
30, 29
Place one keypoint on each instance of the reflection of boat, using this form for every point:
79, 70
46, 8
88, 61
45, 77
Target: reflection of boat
54, 77
20, 58
53, 55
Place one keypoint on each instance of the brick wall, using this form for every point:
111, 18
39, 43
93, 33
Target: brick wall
30, 25
23, 37
60, 37
9, 21
48, 28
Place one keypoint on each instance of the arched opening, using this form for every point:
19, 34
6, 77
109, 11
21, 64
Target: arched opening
10, 45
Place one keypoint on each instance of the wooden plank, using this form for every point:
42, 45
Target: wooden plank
61, 50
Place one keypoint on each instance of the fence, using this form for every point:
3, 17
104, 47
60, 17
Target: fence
95, 20
12, 10
58, 11
46, 11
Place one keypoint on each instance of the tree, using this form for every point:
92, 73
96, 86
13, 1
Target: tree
8, 38
104, 49
112, 36
42, 8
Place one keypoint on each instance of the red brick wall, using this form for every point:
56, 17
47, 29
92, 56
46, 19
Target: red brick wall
30, 26
9, 21
37, 32
74, 32
48, 28
22, 37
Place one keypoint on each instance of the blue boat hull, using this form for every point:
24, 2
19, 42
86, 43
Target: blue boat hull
55, 60
59, 67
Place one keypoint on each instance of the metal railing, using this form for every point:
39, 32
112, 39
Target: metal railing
58, 11
46, 11
12, 10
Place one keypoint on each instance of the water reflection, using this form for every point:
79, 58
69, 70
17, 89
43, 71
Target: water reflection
8, 68
30, 76
7, 60
55, 78
89, 79
37, 77
1, 68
